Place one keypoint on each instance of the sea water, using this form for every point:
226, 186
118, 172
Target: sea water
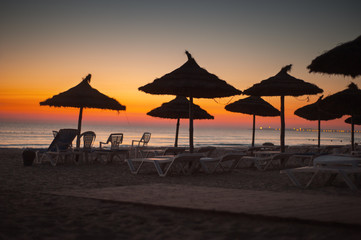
39, 135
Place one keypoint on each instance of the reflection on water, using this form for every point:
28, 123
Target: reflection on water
39, 135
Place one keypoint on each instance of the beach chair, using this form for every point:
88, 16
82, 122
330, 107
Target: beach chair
332, 165
60, 148
55, 133
207, 151
344, 172
266, 162
220, 162
82, 154
186, 163
138, 145
114, 150
114, 139
156, 152
173, 151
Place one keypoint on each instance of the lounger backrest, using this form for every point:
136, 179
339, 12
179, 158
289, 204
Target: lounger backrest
115, 140
232, 156
88, 139
145, 138
63, 139
188, 157
174, 150
207, 151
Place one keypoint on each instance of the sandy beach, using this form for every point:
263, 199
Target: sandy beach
29, 211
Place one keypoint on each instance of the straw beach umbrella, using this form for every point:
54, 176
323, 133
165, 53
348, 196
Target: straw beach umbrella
190, 80
313, 112
283, 84
83, 96
344, 59
179, 108
345, 102
253, 105
356, 120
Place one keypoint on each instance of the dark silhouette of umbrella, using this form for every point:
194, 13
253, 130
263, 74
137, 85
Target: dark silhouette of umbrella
190, 80
345, 102
253, 105
344, 59
313, 112
83, 96
355, 120
283, 84
179, 108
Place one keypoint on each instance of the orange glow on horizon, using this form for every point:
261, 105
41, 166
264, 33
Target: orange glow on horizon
21, 93
24, 104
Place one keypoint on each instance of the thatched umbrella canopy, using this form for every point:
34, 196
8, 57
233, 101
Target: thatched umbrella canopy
283, 84
190, 80
355, 120
345, 102
313, 112
179, 108
83, 96
253, 105
344, 59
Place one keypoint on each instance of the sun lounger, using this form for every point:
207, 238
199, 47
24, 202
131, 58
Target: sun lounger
207, 151
138, 145
173, 151
265, 162
342, 171
60, 148
156, 152
333, 165
114, 140
220, 162
185, 163
82, 154
304, 159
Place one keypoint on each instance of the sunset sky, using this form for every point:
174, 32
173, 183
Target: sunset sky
47, 47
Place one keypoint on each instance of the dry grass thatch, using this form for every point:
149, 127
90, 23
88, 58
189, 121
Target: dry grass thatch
345, 102
83, 96
190, 80
313, 112
179, 108
283, 84
356, 120
344, 59
253, 105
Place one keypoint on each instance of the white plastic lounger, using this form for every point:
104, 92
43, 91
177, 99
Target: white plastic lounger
334, 165
139, 145
342, 171
219, 162
115, 150
186, 163
263, 163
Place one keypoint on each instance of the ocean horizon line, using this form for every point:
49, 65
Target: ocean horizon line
35, 135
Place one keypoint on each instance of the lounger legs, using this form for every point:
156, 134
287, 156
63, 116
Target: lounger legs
343, 174
132, 168
348, 181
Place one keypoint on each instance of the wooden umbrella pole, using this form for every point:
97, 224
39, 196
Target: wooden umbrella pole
282, 123
191, 124
176, 133
352, 134
253, 130
319, 133
79, 127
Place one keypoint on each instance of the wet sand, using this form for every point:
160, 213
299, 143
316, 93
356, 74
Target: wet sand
28, 211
